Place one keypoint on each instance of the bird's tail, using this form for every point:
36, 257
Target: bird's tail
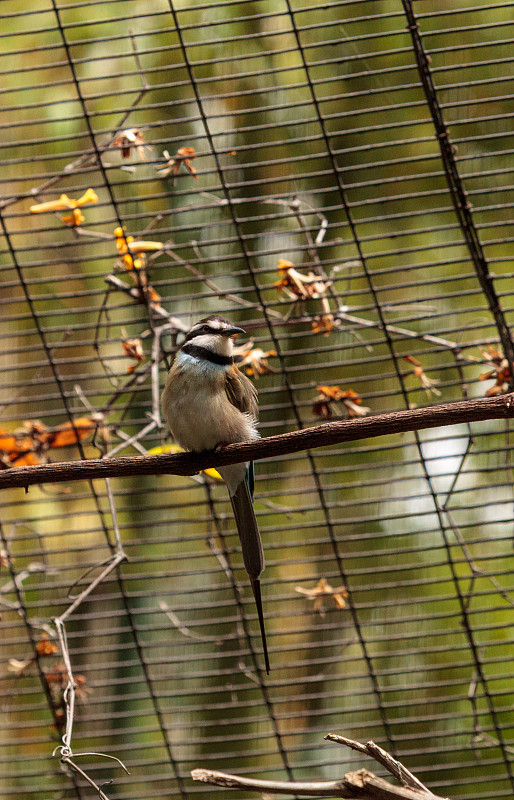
251, 545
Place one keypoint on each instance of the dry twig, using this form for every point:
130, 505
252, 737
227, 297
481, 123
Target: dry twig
361, 784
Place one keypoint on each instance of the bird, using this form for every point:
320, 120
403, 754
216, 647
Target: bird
208, 402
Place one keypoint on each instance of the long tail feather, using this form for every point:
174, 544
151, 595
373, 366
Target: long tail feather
256, 588
251, 545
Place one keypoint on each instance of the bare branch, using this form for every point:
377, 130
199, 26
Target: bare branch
360, 784
393, 766
426, 337
316, 789
134, 292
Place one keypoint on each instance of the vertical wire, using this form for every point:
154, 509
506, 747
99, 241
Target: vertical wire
251, 272
342, 193
458, 194
134, 632
463, 212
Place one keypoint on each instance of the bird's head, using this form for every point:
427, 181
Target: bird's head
215, 333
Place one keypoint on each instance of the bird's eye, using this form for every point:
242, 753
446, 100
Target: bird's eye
206, 329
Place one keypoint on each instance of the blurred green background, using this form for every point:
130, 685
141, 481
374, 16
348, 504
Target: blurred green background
313, 143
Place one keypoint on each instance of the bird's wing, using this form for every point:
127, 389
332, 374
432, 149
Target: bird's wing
241, 392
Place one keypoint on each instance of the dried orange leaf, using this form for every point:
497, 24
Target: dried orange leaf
322, 405
253, 361
26, 460
71, 432
7, 442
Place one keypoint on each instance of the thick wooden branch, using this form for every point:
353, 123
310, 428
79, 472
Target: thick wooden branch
501, 407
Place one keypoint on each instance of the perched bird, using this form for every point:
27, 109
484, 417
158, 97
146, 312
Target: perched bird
207, 402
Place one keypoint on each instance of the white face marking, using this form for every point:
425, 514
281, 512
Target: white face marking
223, 345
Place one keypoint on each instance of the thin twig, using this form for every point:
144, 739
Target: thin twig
185, 631
391, 764
67, 757
221, 293
59, 622
133, 441
405, 332
134, 292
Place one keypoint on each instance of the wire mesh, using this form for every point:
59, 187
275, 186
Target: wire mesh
313, 139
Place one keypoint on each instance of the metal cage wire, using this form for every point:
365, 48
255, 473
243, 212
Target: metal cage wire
315, 141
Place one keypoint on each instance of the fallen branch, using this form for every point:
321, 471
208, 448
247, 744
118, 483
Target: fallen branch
361, 784
501, 407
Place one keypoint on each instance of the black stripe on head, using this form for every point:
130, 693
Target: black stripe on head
207, 355
203, 326
215, 318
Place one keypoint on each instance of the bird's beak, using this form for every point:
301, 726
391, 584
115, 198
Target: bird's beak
233, 331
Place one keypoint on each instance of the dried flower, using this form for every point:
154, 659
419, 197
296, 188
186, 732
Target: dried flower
74, 219
65, 203
45, 647
322, 404
426, 383
253, 361
323, 324
133, 348
353, 405
500, 371
322, 590
184, 155
127, 245
153, 296
139, 246
298, 286
132, 138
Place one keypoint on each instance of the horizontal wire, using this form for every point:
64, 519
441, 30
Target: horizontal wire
385, 528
